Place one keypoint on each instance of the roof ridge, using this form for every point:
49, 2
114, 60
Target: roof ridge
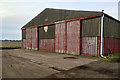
74, 10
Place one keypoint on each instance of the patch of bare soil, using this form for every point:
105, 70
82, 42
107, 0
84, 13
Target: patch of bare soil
96, 69
18, 67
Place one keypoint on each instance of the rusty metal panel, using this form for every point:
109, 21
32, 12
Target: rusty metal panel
46, 44
112, 44
35, 38
60, 39
28, 38
98, 45
73, 37
89, 46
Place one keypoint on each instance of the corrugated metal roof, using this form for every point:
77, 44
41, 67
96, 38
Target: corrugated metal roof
50, 15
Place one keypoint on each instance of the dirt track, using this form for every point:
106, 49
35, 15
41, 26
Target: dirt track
20, 63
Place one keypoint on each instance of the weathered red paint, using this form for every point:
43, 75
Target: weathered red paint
98, 45
60, 38
112, 44
89, 46
73, 37
35, 38
46, 44
29, 38
23, 43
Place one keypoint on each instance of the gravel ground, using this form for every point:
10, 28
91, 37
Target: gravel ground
22, 63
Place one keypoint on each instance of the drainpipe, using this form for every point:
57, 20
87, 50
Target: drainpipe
101, 49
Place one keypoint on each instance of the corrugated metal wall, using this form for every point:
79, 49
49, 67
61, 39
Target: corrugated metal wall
65, 37
73, 37
111, 33
34, 38
29, 38
60, 38
91, 36
111, 28
46, 39
50, 34
112, 44
23, 44
89, 46
46, 44
91, 27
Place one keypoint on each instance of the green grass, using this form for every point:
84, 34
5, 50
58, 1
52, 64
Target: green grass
11, 44
116, 55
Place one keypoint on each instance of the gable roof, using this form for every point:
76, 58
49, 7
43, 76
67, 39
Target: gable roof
50, 15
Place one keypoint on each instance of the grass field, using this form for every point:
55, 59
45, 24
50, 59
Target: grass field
11, 44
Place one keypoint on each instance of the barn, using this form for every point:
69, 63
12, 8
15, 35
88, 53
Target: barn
72, 32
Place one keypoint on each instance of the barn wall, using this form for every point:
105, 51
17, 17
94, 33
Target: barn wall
111, 28
50, 34
24, 34
73, 37
23, 44
113, 44
46, 44
23, 41
90, 41
89, 46
34, 38
111, 33
60, 38
46, 39
91, 27
28, 38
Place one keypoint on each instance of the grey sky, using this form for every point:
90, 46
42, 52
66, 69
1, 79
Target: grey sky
17, 14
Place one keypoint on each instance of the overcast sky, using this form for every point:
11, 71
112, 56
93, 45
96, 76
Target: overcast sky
15, 13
